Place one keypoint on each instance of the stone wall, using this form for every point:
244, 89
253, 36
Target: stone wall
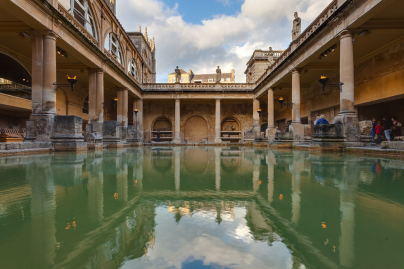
197, 120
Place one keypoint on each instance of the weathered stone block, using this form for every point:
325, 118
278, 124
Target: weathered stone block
68, 128
43, 128
2, 146
12, 146
328, 132
350, 125
298, 131
30, 130
397, 145
112, 134
70, 146
365, 127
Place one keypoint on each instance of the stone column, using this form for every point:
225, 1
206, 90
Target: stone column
347, 115
43, 94
94, 128
177, 136
271, 116
122, 107
297, 127
256, 119
138, 104
49, 74
218, 138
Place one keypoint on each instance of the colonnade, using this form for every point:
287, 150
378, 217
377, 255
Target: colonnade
346, 97
44, 71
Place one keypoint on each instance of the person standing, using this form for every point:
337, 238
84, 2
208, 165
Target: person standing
158, 135
379, 131
373, 130
387, 124
396, 126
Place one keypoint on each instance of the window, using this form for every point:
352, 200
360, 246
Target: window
112, 45
82, 13
210, 80
133, 69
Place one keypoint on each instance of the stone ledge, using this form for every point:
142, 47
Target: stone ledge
5, 153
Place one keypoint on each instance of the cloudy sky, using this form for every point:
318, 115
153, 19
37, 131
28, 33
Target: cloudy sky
202, 34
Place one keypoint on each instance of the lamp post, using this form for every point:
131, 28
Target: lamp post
115, 101
71, 81
323, 80
281, 101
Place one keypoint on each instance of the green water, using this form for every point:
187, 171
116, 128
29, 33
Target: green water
201, 208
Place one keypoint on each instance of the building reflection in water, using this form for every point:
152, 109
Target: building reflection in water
102, 209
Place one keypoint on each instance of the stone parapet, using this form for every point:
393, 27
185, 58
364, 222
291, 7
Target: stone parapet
198, 87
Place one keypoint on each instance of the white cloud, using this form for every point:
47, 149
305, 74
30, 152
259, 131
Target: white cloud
228, 41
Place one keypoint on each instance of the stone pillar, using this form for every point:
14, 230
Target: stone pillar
122, 107
271, 116
39, 127
139, 120
49, 74
347, 115
177, 136
94, 128
218, 138
297, 127
122, 111
256, 119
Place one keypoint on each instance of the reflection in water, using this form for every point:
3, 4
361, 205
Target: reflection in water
201, 207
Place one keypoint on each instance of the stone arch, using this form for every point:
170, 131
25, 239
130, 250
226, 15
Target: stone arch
61, 102
162, 165
230, 123
24, 64
16, 75
162, 124
196, 129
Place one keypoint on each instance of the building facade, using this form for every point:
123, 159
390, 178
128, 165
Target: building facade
356, 44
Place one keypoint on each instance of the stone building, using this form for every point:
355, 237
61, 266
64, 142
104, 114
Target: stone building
357, 44
190, 77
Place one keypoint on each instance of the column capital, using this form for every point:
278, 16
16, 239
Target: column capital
271, 89
96, 70
218, 99
346, 34
296, 70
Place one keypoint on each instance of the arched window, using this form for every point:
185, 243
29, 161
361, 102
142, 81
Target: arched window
82, 13
133, 69
112, 45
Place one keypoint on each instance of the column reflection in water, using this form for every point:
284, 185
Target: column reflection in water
122, 177
95, 186
43, 210
271, 163
218, 153
138, 169
347, 188
256, 171
177, 168
298, 168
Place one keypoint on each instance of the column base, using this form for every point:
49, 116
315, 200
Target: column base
271, 134
257, 132
67, 134
218, 141
350, 125
297, 129
177, 141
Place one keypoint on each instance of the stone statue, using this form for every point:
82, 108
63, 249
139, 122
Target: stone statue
271, 59
297, 27
177, 75
218, 75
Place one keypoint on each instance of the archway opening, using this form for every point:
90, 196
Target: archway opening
164, 126
14, 78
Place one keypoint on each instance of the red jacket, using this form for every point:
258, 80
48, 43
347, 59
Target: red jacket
379, 129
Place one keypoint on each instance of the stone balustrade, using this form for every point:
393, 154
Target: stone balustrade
198, 87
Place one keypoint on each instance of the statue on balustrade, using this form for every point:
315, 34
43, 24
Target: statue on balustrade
218, 75
177, 75
297, 27
271, 56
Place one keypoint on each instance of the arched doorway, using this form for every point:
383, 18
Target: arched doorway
14, 78
61, 102
196, 129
